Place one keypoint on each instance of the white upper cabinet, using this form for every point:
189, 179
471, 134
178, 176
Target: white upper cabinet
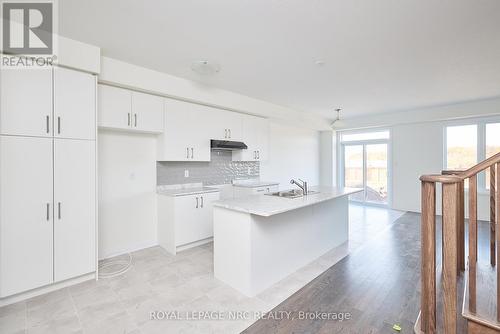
147, 112
124, 109
256, 137
186, 136
225, 125
26, 102
115, 107
74, 104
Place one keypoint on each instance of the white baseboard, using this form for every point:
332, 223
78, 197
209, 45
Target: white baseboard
45, 289
130, 249
194, 244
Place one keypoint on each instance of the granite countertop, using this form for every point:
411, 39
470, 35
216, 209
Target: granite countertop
266, 206
185, 190
254, 183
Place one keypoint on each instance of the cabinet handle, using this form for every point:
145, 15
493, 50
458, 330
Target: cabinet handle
48, 211
47, 121
229, 133
58, 124
128, 117
59, 210
197, 202
202, 201
135, 120
192, 153
187, 152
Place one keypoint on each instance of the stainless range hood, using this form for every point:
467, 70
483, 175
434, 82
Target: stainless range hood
227, 145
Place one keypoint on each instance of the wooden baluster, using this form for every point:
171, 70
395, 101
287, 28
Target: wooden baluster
492, 214
428, 226
497, 207
461, 228
450, 256
472, 242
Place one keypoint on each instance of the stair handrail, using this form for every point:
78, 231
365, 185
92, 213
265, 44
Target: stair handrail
453, 182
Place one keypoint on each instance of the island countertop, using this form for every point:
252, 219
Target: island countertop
266, 206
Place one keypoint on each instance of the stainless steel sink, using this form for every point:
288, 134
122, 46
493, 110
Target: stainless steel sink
294, 193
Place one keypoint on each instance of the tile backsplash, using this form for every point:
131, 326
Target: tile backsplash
220, 170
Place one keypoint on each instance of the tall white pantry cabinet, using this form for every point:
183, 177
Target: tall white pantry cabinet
47, 177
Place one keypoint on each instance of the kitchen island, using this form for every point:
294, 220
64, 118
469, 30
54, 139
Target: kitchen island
261, 239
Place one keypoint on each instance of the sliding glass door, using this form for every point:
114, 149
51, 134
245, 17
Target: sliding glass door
354, 169
365, 165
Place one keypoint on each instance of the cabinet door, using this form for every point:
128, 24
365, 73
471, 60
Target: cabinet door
185, 137
115, 107
74, 208
263, 139
74, 105
200, 137
26, 102
175, 142
205, 215
250, 138
147, 112
187, 211
225, 125
26, 214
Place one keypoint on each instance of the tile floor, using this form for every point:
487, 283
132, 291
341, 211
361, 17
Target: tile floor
158, 281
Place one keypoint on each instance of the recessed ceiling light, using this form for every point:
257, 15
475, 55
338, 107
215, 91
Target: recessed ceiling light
205, 67
320, 62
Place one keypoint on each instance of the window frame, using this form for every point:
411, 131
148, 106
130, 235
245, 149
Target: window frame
341, 163
481, 144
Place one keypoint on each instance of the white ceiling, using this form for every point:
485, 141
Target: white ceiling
380, 56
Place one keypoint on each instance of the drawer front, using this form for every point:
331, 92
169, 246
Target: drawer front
265, 189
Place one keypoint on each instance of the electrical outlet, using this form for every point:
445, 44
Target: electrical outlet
186, 173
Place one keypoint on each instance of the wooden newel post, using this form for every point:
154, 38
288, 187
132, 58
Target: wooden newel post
450, 254
428, 233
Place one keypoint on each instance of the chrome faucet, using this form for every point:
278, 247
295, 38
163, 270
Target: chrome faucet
302, 186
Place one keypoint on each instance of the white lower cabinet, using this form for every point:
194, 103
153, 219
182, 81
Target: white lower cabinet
26, 213
47, 211
74, 208
185, 221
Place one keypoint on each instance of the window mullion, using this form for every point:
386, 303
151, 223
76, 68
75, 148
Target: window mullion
481, 152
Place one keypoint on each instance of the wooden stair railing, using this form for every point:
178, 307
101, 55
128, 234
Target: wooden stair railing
453, 245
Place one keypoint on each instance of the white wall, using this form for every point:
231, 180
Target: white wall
418, 149
127, 192
293, 153
327, 158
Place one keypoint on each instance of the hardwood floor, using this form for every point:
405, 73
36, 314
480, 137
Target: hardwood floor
378, 285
